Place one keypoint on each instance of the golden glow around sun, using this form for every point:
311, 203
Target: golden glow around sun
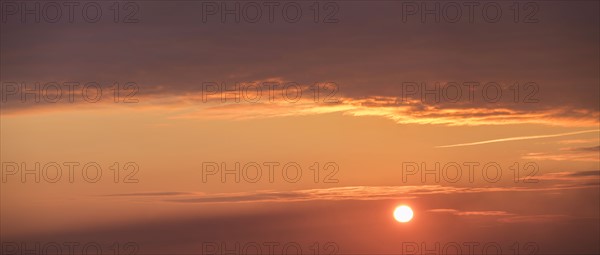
403, 213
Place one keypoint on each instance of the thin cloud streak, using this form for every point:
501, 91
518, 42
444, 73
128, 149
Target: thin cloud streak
558, 181
518, 138
471, 213
535, 218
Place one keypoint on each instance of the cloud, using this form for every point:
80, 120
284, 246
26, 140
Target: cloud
593, 148
585, 154
558, 54
544, 218
578, 141
519, 138
595, 173
550, 182
149, 194
199, 105
582, 176
507, 217
471, 213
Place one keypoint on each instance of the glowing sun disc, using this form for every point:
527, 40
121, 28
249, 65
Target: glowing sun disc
403, 213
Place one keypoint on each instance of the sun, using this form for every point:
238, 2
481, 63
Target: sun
403, 214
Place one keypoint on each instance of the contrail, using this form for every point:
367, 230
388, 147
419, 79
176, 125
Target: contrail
518, 138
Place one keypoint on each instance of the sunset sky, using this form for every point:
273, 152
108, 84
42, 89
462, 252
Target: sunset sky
358, 106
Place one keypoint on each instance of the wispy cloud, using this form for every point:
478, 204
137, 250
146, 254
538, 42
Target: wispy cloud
506, 217
471, 213
519, 138
558, 181
535, 218
150, 194
195, 104
592, 148
578, 141
569, 156
586, 154
571, 176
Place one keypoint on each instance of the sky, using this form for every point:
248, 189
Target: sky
237, 127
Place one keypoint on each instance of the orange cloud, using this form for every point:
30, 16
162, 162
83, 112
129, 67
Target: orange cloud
560, 181
519, 138
471, 213
201, 105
